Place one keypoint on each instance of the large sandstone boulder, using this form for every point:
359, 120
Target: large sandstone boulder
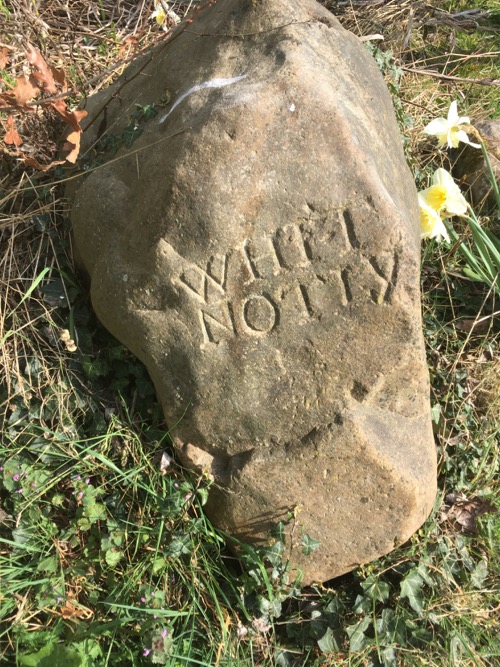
258, 248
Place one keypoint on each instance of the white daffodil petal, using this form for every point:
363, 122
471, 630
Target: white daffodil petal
437, 126
453, 113
464, 138
443, 177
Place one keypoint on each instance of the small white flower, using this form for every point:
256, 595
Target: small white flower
165, 462
431, 225
448, 130
444, 195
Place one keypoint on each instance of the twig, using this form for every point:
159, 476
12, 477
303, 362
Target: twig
449, 77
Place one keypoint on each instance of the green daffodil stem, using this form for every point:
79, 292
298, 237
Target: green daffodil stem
484, 268
491, 174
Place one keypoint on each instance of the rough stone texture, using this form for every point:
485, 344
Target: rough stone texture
470, 166
258, 248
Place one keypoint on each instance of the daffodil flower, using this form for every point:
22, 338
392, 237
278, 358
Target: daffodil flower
431, 224
161, 12
448, 130
444, 195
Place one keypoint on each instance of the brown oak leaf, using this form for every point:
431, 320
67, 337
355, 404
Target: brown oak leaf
7, 100
465, 512
30, 161
72, 145
60, 78
4, 57
24, 91
73, 118
12, 135
43, 73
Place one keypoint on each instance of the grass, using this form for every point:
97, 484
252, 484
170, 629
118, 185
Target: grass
106, 556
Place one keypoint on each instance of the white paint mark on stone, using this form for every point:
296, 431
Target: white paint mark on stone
291, 107
212, 83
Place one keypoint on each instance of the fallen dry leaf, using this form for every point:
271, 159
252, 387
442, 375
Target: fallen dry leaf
30, 161
12, 135
50, 80
4, 57
24, 91
73, 118
60, 78
465, 512
477, 326
70, 612
72, 145
43, 73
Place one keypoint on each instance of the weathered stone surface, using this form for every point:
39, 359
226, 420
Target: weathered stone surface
258, 248
470, 165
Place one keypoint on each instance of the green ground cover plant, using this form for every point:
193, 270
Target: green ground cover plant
106, 556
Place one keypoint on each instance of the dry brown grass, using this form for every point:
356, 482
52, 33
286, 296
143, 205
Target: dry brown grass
85, 40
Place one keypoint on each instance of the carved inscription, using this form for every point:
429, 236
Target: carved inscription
283, 273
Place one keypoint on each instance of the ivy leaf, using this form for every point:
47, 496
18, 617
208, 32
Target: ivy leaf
309, 544
329, 642
278, 531
203, 495
356, 634
274, 553
375, 588
410, 588
269, 608
479, 574
181, 544
388, 657
362, 605
424, 573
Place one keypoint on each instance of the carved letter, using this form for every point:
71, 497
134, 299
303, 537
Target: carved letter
260, 314
214, 329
